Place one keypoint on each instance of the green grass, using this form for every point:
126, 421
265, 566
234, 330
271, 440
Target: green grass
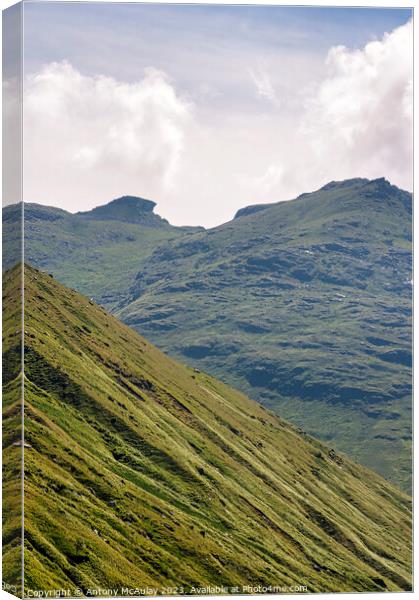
141, 471
12, 434
98, 257
305, 305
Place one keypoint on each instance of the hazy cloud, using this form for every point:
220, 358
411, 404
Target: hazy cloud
263, 84
361, 115
267, 183
101, 134
357, 122
349, 114
12, 136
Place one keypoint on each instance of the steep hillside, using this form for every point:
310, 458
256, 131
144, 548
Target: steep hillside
12, 434
98, 252
142, 472
304, 305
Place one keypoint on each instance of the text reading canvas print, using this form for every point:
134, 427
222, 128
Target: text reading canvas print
207, 296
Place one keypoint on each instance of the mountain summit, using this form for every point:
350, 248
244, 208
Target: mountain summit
101, 246
337, 188
130, 209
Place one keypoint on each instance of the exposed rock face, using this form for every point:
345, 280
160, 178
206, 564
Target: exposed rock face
129, 209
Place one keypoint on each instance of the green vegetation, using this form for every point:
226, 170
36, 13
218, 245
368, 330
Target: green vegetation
140, 471
12, 434
96, 252
304, 305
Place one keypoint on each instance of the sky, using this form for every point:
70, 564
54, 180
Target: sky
206, 109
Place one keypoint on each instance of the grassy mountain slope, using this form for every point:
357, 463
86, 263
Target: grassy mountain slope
12, 434
98, 252
142, 472
305, 306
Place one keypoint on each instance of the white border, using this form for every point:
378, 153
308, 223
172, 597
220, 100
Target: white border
357, 3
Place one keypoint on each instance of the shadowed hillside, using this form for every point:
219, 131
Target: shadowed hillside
142, 472
304, 305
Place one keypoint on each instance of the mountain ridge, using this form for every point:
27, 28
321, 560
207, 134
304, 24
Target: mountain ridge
100, 253
132, 207
168, 477
341, 185
304, 305
305, 301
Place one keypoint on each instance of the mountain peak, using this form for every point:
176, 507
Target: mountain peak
130, 209
134, 203
345, 183
380, 184
250, 210
332, 185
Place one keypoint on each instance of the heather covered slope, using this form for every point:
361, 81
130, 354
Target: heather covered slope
140, 471
304, 305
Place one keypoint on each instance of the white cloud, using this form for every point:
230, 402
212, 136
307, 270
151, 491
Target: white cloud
92, 138
263, 84
85, 135
361, 115
268, 182
357, 122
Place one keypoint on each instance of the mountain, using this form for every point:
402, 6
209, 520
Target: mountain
98, 252
303, 305
128, 209
251, 210
142, 472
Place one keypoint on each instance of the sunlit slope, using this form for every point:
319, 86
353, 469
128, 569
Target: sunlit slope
140, 471
12, 435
